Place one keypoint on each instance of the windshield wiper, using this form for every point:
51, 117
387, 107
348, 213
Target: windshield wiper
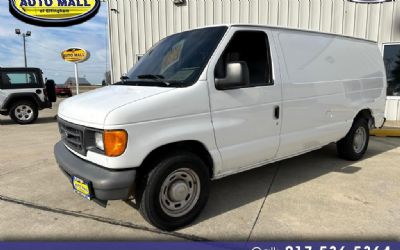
141, 80
158, 78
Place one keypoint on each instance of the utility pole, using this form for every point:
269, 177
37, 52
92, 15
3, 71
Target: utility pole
77, 78
24, 36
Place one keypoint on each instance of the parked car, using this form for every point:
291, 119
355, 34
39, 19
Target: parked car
23, 93
211, 102
63, 90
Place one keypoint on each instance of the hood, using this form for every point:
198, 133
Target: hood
91, 108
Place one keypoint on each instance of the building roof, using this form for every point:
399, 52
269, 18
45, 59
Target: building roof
82, 81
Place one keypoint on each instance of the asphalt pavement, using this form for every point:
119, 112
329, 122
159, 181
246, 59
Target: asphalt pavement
313, 196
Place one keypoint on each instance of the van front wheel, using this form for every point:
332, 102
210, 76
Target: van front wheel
175, 192
353, 146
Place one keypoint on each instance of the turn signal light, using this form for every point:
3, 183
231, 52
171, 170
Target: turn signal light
115, 142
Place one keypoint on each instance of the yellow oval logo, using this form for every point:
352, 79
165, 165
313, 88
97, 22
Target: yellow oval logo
75, 55
54, 12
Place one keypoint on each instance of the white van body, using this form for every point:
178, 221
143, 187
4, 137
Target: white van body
319, 84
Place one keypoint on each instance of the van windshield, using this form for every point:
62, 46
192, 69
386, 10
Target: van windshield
176, 61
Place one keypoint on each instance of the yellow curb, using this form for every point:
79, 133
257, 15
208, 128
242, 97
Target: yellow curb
385, 132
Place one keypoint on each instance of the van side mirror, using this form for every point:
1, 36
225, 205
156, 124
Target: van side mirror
237, 76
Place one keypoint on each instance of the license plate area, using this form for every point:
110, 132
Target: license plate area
82, 187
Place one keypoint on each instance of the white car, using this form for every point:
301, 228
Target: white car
23, 93
215, 101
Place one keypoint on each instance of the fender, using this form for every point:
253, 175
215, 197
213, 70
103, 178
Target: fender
10, 99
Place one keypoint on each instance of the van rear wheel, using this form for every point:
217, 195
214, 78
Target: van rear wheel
353, 146
175, 192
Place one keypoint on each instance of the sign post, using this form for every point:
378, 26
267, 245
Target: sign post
75, 55
77, 78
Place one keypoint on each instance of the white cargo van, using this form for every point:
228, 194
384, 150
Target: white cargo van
215, 101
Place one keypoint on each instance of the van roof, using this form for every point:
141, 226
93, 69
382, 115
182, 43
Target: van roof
303, 30
293, 29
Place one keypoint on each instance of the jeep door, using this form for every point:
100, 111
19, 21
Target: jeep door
14, 81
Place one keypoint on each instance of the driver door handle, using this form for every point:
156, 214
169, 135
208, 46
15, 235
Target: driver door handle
277, 112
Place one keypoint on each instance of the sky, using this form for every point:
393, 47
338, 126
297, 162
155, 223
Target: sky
45, 45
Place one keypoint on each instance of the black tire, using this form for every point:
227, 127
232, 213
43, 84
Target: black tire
151, 207
23, 120
346, 147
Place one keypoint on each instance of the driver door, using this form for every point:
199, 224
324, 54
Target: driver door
246, 120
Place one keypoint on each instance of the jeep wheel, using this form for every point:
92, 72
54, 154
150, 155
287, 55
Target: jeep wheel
24, 112
354, 145
175, 192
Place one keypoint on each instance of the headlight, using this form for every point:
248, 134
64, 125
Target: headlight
98, 139
115, 142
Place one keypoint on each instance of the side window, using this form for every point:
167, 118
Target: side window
391, 57
11, 80
251, 47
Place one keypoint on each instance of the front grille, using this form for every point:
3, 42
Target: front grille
73, 136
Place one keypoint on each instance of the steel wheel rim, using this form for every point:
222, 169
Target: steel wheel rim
23, 112
360, 138
179, 192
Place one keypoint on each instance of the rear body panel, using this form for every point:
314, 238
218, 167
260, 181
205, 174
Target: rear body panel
327, 80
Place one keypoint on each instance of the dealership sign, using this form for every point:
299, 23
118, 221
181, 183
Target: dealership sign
54, 12
75, 55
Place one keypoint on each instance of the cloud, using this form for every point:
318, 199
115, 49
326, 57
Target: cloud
45, 45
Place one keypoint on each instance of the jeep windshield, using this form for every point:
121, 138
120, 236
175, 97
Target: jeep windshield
176, 61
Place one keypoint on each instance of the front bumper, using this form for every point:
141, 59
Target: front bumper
106, 184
